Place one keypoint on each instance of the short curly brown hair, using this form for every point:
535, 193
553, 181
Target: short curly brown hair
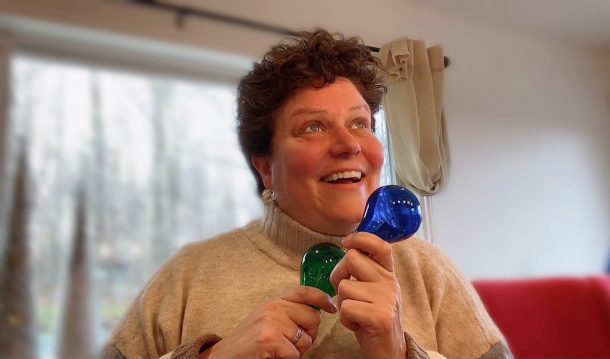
306, 59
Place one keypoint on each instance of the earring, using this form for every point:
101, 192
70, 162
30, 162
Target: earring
268, 196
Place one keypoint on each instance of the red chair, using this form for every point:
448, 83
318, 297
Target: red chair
551, 317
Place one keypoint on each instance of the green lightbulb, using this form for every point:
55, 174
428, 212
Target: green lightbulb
317, 265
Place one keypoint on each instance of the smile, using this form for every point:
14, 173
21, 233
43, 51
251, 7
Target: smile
343, 177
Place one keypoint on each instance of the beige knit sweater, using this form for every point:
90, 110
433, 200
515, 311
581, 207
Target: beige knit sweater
203, 292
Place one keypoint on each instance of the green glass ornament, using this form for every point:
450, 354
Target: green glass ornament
318, 263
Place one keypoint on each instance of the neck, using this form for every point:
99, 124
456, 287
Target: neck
322, 225
286, 240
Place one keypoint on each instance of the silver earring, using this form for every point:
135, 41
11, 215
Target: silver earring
268, 196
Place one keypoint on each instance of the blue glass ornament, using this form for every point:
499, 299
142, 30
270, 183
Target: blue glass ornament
391, 213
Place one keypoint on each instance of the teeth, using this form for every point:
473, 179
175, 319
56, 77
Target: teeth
344, 174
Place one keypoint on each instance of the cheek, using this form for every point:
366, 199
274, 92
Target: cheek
298, 162
374, 154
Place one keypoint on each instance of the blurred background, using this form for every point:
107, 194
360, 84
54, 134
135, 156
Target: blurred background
118, 146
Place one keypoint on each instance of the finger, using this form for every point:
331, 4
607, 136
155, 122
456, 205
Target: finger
305, 317
356, 290
301, 312
355, 264
303, 342
286, 349
310, 296
354, 314
378, 249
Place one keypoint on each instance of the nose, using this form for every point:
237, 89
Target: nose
344, 144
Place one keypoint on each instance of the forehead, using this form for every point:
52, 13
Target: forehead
335, 97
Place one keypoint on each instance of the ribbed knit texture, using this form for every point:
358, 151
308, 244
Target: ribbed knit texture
210, 286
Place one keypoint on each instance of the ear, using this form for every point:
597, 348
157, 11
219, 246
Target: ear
262, 163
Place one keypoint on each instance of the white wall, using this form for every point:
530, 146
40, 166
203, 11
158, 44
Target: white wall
529, 138
528, 121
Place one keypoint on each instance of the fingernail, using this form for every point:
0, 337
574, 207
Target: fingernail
346, 239
334, 307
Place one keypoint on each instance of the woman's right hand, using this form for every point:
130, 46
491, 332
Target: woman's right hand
268, 331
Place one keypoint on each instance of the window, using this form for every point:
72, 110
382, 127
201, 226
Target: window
158, 163
383, 133
157, 159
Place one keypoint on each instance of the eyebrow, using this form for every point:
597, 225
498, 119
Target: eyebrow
313, 110
307, 111
357, 107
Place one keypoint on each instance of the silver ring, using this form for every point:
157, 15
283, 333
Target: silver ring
297, 336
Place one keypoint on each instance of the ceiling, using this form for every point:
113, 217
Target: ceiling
586, 22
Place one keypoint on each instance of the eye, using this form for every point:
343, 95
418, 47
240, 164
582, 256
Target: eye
360, 123
312, 127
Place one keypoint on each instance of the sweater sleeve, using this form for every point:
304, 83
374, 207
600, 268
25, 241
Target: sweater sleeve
414, 351
189, 350
192, 349
152, 326
461, 325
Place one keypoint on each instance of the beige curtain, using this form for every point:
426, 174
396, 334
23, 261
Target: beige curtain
414, 110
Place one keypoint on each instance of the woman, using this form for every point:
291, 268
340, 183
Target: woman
305, 116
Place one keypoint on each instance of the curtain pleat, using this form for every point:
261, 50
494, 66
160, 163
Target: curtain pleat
415, 116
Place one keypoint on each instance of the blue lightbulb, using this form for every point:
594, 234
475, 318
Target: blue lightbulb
391, 213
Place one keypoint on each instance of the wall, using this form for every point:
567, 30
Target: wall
527, 117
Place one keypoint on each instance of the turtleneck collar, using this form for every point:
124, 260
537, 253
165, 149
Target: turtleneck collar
285, 240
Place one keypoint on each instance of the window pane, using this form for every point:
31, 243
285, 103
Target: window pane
382, 132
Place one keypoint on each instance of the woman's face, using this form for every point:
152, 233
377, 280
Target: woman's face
326, 160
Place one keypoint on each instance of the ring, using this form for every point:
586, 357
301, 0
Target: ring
297, 336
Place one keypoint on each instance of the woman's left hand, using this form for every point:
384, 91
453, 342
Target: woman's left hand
370, 305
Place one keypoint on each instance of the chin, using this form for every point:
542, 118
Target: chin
343, 213
347, 218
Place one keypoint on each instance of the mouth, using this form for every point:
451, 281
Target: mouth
343, 177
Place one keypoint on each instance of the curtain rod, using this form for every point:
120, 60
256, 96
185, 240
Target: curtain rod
183, 11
